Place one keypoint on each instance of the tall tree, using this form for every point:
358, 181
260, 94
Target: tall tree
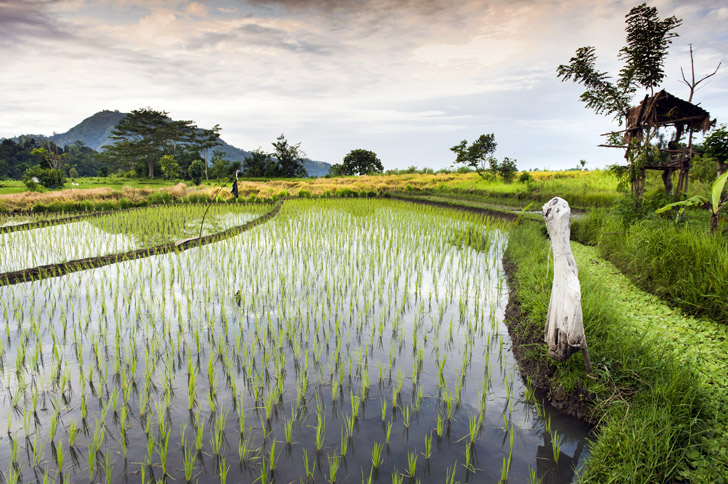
260, 164
204, 140
360, 162
479, 155
145, 135
648, 39
290, 158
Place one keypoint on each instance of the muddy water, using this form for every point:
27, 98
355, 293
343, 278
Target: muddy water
324, 294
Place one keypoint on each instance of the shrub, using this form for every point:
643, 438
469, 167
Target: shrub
525, 177
196, 170
47, 177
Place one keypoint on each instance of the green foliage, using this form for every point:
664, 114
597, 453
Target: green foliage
651, 407
146, 135
260, 164
714, 205
196, 171
221, 166
359, 162
648, 39
290, 158
169, 166
507, 169
704, 168
73, 173
525, 177
47, 177
601, 95
683, 264
716, 143
478, 154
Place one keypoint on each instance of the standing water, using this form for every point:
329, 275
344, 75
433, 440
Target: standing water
342, 341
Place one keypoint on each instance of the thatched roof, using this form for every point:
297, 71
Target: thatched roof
665, 109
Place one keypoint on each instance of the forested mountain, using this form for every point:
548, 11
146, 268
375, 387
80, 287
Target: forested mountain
95, 132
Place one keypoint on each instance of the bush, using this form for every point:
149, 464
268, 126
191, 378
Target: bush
704, 168
196, 170
47, 177
525, 177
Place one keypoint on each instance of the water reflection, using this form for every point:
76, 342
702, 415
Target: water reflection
560, 470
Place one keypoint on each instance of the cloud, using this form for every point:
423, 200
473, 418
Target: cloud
27, 19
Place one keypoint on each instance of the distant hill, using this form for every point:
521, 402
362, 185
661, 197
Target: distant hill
95, 132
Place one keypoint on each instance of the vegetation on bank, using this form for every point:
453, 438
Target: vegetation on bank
655, 391
680, 262
581, 188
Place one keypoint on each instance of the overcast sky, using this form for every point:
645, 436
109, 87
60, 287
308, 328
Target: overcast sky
406, 79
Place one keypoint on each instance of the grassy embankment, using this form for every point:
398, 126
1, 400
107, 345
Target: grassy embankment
658, 390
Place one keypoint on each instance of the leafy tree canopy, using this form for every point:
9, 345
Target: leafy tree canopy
648, 39
260, 165
479, 155
196, 170
358, 162
290, 158
145, 135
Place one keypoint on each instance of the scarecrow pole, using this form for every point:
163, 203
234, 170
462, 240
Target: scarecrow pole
564, 326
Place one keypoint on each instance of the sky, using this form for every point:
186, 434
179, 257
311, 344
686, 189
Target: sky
407, 79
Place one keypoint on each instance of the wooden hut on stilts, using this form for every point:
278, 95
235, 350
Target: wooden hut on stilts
661, 111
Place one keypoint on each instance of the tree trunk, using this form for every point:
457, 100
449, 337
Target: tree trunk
564, 332
667, 181
721, 166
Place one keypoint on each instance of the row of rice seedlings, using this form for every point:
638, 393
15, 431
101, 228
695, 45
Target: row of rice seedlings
307, 303
118, 232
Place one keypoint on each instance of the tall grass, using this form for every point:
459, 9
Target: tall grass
683, 264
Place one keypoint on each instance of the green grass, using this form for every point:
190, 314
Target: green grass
683, 264
582, 189
657, 414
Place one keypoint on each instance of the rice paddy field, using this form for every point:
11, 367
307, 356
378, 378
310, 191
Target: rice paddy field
118, 232
341, 341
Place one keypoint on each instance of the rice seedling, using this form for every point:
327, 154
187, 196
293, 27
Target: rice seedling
428, 446
334, 462
223, 470
309, 467
320, 431
260, 339
188, 462
272, 457
377, 455
397, 478
556, 446
412, 464
440, 425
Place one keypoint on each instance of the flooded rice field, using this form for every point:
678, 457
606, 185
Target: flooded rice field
343, 341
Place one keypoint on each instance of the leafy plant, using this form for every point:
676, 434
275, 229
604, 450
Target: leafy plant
715, 205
